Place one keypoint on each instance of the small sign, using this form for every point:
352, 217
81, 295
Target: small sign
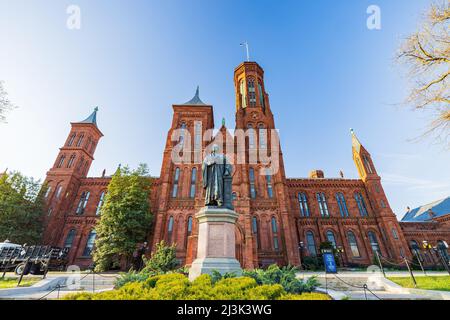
329, 262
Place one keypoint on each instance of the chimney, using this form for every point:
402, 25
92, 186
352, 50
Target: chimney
316, 174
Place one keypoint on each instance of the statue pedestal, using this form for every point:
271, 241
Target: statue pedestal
216, 242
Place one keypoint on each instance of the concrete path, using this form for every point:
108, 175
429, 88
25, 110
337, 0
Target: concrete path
58, 284
350, 286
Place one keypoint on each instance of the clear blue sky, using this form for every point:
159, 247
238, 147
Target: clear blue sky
325, 73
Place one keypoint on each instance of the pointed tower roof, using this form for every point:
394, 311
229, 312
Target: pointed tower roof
92, 119
195, 101
356, 144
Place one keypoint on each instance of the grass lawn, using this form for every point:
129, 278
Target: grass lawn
8, 283
427, 283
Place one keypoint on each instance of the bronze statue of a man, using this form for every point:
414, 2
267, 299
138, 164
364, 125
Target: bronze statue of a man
216, 173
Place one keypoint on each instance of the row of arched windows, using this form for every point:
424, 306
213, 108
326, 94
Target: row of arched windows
89, 145
251, 91
192, 186
84, 199
275, 232
170, 229
351, 239
90, 241
262, 133
323, 204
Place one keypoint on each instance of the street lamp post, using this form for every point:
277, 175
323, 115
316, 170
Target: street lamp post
300, 248
428, 246
340, 251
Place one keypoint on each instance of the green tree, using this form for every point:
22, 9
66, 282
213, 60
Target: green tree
21, 208
163, 260
125, 217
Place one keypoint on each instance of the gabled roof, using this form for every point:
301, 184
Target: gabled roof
195, 101
438, 208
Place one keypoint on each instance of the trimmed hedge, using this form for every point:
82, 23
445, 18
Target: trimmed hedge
177, 287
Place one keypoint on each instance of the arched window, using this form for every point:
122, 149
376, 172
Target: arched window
276, 245
261, 97
303, 203
61, 161
72, 138
251, 136
83, 202
331, 238
353, 244
188, 230
176, 179
69, 239
182, 132
90, 244
342, 204
100, 203
80, 164
252, 183
86, 168
394, 233
170, 230
374, 242
383, 204
243, 96
89, 140
80, 140
323, 206
311, 243
71, 161
269, 183
58, 192
251, 92
255, 230
193, 182
367, 163
361, 204
234, 196
189, 226
50, 211
47, 193
262, 136
198, 136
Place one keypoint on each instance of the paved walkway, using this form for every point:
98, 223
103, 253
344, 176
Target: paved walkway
58, 284
350, 285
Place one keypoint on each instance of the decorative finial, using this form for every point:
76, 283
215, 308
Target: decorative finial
246, 46
197, 92
352, 131
223, 122
96, 109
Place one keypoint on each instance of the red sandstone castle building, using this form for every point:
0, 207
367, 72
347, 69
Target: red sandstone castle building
282, 220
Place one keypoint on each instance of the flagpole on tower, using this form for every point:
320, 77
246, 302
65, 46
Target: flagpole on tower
246, 47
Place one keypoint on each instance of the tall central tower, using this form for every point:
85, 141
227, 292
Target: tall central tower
260, 181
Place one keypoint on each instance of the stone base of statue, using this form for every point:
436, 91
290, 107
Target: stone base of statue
216, 242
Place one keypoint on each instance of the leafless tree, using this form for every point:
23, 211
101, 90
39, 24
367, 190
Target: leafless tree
426, 54
5, 104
